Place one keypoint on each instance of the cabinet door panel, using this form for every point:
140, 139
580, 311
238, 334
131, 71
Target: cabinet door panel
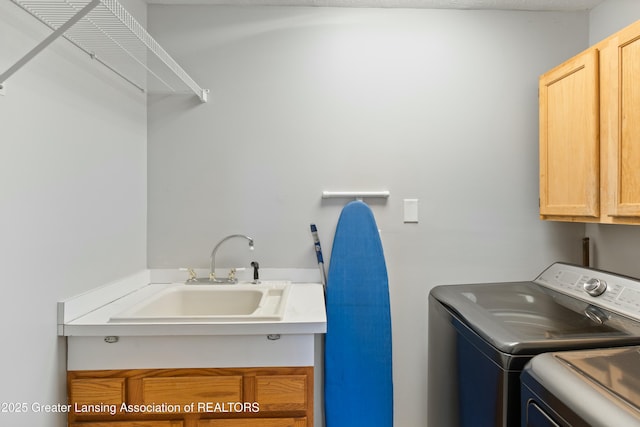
281, 392
92, 395
257, 422
130, 424
624, 143
186, 390
569, 138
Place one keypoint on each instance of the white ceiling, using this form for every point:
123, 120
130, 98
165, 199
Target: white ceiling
556, 5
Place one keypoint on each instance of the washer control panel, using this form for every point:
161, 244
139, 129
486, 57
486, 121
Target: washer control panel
614, 292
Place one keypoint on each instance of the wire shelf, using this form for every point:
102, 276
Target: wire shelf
110, 35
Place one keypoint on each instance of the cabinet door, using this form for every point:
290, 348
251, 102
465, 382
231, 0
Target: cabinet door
130, 424
623, 135
281, 392
184, 390
94, 396
257, 422
569, 138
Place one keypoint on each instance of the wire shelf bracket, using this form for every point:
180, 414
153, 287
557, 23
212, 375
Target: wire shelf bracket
109, 34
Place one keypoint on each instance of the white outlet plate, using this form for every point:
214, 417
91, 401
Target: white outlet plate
410, 210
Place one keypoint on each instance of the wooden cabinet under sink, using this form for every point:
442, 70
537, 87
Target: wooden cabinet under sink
206, 397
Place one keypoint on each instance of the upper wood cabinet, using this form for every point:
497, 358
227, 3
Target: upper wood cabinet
622, 79
590, 134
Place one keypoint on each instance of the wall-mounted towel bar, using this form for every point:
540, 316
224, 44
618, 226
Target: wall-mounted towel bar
109, 34
355, 194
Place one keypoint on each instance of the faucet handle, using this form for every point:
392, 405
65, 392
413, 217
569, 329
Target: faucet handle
191, 274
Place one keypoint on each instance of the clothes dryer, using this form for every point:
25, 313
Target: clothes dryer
595, 388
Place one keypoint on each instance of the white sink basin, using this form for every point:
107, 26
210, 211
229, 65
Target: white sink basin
210, 303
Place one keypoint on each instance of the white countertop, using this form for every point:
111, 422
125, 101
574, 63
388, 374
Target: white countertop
88, 314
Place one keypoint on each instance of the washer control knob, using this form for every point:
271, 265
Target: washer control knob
595, 287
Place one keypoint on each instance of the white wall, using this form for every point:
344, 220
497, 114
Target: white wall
611, 16
437, 105
431, 104
614, 247
72, 201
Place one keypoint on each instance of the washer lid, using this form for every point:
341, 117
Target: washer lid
615, 370
526, 318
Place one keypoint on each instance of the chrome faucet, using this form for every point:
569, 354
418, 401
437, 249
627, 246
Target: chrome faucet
231, 278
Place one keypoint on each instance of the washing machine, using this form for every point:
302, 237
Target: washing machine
481, 336
595, 388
